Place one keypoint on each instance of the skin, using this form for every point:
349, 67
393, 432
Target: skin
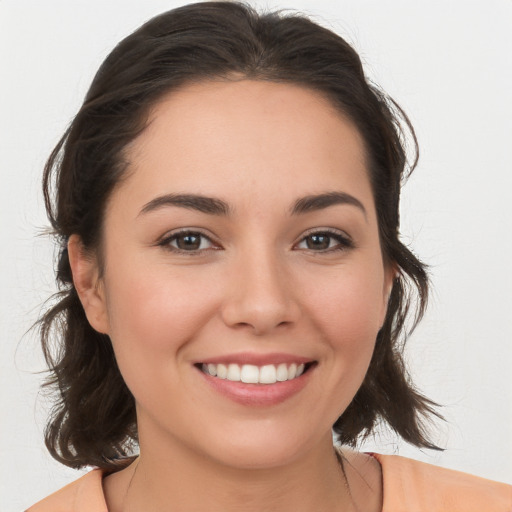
254, 285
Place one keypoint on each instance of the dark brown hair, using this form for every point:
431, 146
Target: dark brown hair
93, 420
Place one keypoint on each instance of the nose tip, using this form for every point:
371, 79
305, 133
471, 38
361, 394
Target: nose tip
259, 323
261, 299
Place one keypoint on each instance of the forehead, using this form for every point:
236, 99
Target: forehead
249, 137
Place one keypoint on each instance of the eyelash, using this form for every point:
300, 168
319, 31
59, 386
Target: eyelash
344, 242
166, 242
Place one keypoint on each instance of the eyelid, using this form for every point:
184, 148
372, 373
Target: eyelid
166, 239
346, 241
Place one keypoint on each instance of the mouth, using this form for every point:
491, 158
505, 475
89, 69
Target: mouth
252, 379
252, 374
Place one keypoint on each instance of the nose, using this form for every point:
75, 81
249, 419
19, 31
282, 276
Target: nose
261, 295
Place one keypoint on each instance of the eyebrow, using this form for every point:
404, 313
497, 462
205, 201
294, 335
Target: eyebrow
204, 204
321, 201
215, 206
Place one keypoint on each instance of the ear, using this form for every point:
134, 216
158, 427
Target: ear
88, 284
390, 274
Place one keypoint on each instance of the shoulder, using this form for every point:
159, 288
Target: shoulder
413, 486
82, 495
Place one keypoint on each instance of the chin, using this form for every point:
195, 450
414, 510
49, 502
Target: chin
261, 447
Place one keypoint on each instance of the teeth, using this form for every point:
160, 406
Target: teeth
234, 373
267, 374
282, 373
251, 374
222, 371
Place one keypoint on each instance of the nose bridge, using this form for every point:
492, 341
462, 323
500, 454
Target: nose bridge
261, 294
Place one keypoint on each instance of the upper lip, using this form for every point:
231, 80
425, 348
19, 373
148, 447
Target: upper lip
257, 359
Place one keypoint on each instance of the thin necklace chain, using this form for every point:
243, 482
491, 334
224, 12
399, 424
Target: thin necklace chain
341, 460
123, 505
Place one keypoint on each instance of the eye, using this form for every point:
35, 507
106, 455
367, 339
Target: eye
187, 241
326, 241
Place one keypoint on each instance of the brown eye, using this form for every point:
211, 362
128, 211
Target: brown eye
187, 241
321, 242
325, 241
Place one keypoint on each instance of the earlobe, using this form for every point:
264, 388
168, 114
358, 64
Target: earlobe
88, 284
391, 274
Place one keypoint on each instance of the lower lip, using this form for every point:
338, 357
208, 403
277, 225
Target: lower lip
258, 394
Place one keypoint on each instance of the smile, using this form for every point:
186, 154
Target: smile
252, 374
252, 379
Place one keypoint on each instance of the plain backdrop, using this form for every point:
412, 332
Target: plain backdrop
449, 65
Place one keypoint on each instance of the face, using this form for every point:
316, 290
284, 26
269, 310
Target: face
243, 244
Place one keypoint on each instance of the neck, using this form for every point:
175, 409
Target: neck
163, 479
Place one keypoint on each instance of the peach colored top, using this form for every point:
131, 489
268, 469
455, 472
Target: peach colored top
409, 486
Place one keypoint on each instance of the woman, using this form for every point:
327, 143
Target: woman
234, 287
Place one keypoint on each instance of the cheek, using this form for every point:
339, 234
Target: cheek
153, 317
344, 315
154, 311
351, 305
347, 313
